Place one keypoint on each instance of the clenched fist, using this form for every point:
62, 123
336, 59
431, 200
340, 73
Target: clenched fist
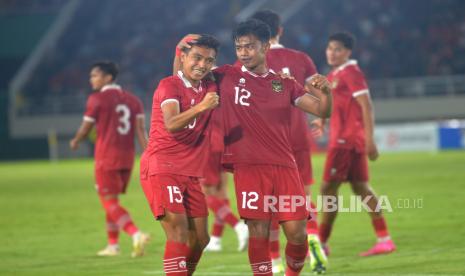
210, 101
319, 82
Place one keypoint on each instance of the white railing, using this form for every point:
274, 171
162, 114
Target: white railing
418, 87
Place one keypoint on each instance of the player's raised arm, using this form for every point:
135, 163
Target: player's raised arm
319, 99
369, 124
175, 120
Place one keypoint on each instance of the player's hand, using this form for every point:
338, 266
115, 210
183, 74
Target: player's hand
184, 43
372, 150
319, 83
74, 144
317, 128
210, 101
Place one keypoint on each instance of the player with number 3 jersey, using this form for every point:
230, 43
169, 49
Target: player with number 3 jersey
118, 116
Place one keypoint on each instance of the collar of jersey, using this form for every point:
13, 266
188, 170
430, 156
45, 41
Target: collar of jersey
110, 86
276, 46
243, 69
188, 84
348, 63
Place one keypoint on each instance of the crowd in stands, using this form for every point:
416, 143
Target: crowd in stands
395, 39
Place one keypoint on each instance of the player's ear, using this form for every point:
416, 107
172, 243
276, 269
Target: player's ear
183, 56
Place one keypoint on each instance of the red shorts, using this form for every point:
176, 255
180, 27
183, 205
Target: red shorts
212, 171
112, 182
345, 165
269, 191
304, 165
176, 193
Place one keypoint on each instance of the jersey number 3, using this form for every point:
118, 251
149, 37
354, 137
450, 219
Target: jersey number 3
125, 114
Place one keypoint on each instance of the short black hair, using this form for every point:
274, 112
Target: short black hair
347, 39
252, 27
107, 67
206, 41
271, 19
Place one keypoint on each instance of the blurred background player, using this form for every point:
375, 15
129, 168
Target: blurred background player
300, 66
351, 139
176, 154
215, 187
118, 116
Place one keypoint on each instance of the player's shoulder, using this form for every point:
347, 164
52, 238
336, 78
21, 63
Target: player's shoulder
287, 81
352, 70
170, 82
224, 69
291, 52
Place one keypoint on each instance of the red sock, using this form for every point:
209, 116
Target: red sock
259, 256
380, 227
192, 259
222, 210
312, 224
174, 260
274, 240
112, 231
119, 215
325, 232
217, 228
295, 257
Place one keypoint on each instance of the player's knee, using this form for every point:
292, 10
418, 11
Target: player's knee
360, 188
203, 240
329, 188
177, 234
258, 228
298, 236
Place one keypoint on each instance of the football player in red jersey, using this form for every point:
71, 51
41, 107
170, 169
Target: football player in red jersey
256, 108
351, 140
118, 116
178, 149
300, 66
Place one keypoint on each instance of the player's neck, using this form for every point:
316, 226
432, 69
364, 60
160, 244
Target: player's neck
274, 40
259, 69
340, 64
194, 83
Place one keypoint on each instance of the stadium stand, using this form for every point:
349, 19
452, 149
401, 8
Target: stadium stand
141, 37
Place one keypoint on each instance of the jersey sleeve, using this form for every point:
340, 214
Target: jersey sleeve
297, 91
356, 82
309, 65
167, 93
92, 109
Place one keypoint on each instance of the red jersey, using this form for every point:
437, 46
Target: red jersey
346, 124
114, 113
256, 116
184, 152
301, 67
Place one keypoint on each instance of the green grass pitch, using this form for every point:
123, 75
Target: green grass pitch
52, 223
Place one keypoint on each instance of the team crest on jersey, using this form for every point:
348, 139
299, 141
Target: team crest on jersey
334, 83
277, 86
